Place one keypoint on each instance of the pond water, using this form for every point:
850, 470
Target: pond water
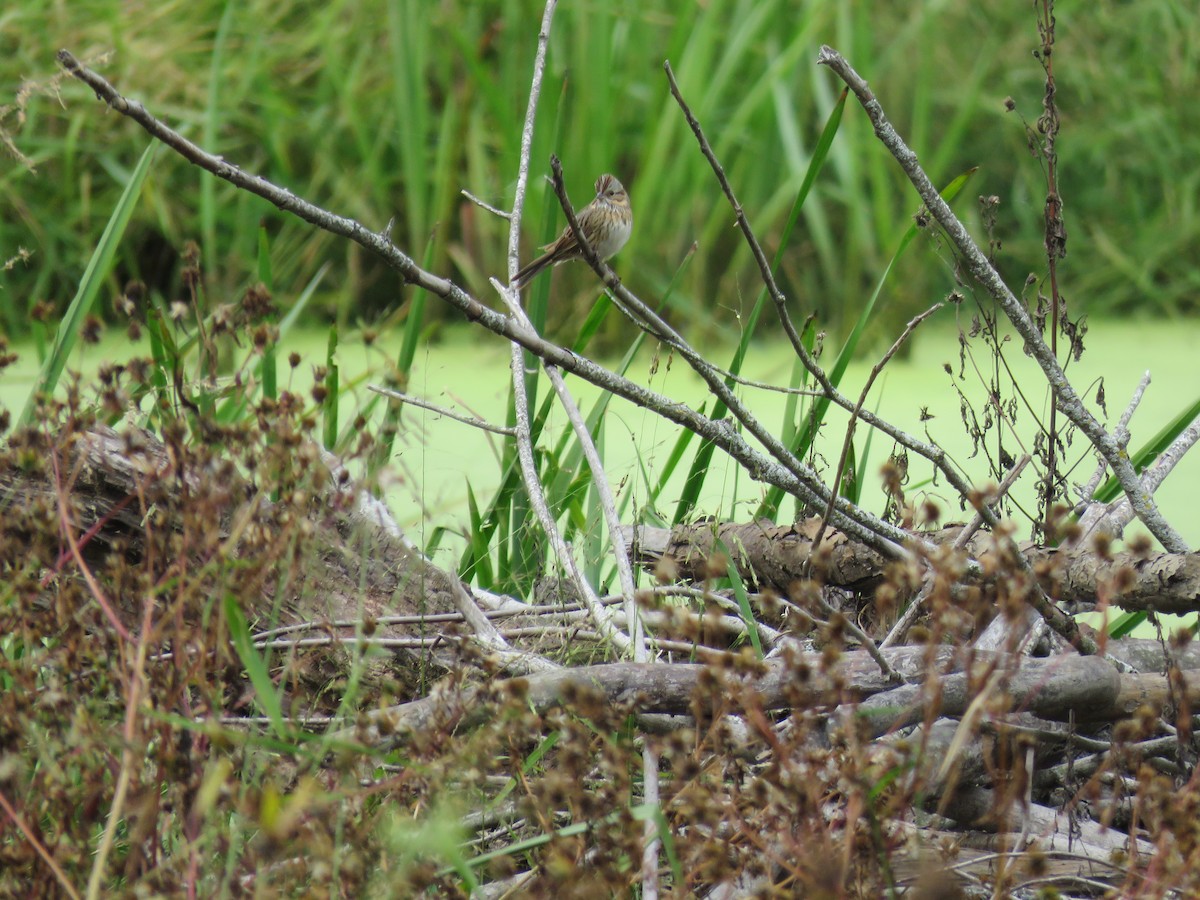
437, 457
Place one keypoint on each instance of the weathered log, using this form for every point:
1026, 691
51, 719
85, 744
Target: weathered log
1050, 688
776, 556
1059, 688
365, 572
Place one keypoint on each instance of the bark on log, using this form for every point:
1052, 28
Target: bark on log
776, 556
1083, 688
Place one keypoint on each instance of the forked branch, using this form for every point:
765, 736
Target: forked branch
977, 263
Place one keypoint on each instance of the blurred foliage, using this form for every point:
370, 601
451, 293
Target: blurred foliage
389, 111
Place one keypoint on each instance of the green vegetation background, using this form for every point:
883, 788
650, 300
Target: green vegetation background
383, 110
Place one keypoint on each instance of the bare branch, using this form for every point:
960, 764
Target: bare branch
982, 270
868, 528
799, 482
1085, 684
535, 92
933, 453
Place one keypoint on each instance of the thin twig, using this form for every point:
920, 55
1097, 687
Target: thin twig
896, 632
848, 442
766, 386
495, 212
330, 640
473, 421
1120, 435
863, 639
963, 537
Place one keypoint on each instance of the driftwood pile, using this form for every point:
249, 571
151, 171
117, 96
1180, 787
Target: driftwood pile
939, 722
1027, 748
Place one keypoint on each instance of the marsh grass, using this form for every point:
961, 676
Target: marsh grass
383, 117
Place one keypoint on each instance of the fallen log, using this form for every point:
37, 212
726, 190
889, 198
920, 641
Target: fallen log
775, 557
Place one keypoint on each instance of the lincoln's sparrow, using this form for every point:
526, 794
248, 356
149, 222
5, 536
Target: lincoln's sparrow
606, 221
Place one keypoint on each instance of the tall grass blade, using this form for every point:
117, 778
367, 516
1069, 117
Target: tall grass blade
97, 270
663, 831
743, 601
820, 154
265, 693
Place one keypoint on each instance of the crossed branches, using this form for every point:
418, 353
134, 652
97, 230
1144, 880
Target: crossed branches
767, 459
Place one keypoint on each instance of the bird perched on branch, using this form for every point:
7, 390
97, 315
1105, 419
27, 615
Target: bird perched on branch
606, 222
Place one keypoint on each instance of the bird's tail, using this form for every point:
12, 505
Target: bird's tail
532, 270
